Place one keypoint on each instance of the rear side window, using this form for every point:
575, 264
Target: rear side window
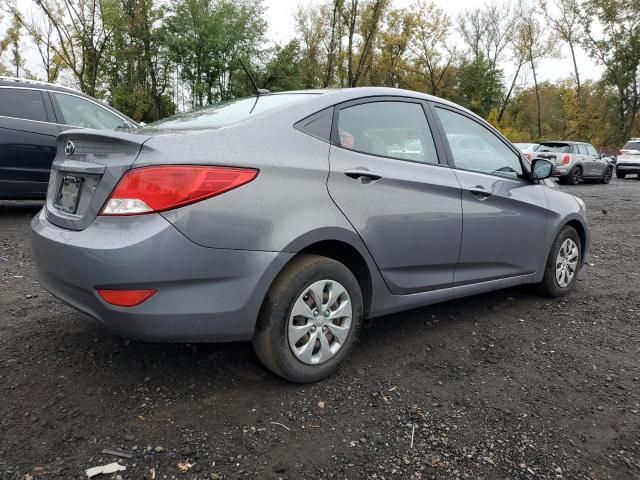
388, 129
21, 103
79, 112
227, 113
554, 147
632, 146
476, 148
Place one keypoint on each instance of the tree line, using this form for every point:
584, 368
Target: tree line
150, 58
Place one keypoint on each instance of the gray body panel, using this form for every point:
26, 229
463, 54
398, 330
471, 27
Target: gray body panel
423, 236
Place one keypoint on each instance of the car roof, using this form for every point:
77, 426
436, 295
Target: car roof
569, 142
23, 82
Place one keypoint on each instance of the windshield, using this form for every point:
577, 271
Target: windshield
227, 113
632, 146
554, 147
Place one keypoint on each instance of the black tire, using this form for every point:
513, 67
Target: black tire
606, 175
549, 285
620, 173
575, 176
270, 340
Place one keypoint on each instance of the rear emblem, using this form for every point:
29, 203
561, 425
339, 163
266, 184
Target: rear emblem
69, 149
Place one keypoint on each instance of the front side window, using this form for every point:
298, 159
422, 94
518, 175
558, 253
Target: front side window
592, 151
22, 103
475, 148
79, 112
389, 129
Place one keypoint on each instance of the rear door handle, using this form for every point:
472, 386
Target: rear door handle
480, 192
363, 176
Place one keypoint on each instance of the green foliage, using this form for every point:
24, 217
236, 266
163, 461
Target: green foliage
479, 85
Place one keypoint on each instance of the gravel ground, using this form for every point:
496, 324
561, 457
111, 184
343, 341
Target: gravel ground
503, 385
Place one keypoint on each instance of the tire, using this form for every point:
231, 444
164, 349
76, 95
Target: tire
550, 286
620, 174
606, 175
575, 176
271, 340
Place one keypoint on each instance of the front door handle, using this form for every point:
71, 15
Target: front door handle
363, 176
480, 192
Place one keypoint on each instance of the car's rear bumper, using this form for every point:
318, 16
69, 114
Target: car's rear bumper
203, 294
628, 167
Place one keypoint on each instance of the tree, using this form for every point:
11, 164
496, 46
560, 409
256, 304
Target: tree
616, 46
564, 16
429, 44
479, 85
13, 39
83, 29
535, 45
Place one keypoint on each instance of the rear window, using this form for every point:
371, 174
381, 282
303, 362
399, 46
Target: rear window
631, 146
554, 147
227, 113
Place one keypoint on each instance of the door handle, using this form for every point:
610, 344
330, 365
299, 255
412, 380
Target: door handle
480, 192
363, 176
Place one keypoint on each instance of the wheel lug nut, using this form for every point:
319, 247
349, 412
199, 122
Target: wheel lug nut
327, 313
315, 313
324, 329
313, 329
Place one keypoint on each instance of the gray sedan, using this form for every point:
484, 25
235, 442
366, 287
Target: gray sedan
286, 219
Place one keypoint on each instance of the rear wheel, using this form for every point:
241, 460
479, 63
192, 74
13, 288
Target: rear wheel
575, 176
563, 263
607, 174
620, 174
310, 320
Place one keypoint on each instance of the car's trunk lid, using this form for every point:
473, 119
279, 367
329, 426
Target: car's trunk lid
87, 167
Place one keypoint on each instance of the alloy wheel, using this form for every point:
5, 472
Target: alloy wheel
567, 263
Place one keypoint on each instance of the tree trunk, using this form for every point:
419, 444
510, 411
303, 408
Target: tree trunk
575, 69
332, 45
507, 99
535, 82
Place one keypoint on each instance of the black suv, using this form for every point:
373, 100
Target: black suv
31, 115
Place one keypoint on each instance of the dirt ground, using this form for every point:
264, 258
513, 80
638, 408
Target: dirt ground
503, 385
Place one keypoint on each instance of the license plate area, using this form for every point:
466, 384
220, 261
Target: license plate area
69, 193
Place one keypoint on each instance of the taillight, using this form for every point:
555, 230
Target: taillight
622, 152
126, 298
566, 160
161, 188
529, 156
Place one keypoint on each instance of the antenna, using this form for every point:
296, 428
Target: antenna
259, 91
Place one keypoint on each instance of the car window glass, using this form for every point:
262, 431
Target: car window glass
554, 147
475, 148
582, 150
79, 112
22, 103
230, 112
389, 129
592, 151
632, 146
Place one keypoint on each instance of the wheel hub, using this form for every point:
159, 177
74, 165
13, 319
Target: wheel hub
319, 322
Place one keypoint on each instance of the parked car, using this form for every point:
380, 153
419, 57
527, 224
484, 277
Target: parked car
575, 161
527, 149
287, 218
31, 115
628, 161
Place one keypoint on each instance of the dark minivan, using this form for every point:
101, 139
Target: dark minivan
32, 114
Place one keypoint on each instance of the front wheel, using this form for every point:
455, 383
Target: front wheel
310, 320
563, 263
607, 174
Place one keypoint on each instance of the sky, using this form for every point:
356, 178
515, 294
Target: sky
280, 17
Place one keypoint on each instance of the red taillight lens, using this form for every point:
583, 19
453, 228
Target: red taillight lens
156, 189
566, 160
622, 152
126, 298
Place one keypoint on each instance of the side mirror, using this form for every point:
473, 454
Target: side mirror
541, 169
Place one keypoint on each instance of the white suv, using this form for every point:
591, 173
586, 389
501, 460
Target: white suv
629, 159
